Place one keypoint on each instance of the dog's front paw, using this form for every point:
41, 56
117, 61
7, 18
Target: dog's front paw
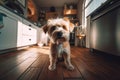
70, 67
51, 68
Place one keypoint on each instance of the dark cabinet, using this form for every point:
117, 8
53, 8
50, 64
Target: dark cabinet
105, 30
72, 38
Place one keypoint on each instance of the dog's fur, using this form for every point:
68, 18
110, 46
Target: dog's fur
58, 31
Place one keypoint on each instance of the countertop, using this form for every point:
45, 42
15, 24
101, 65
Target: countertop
20, 15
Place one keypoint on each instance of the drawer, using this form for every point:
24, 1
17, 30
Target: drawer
26, 40
28, 31
33, 39
29, 40
28, 23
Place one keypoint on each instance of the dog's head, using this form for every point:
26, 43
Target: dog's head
58, 30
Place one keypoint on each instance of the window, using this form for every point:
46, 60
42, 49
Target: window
87, 2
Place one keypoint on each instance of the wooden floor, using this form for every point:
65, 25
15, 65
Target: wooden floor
32, 64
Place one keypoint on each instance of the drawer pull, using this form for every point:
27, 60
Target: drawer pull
30, 25
29, 39
29, 28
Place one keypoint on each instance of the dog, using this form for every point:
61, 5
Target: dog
58, 31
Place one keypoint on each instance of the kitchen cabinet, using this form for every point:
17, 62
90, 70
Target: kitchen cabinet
16, 31
105, 29
50, 15
8, 33
71, 14
29, 33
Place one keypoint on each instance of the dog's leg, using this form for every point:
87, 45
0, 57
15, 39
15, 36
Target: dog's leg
53, 60
67, 61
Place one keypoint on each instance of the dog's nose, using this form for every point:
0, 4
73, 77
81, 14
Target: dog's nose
59, 34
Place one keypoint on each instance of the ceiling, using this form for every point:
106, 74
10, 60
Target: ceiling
55, 3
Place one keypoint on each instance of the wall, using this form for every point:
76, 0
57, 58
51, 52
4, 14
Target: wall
79, 9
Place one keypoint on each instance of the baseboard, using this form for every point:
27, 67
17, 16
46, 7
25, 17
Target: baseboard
98, 52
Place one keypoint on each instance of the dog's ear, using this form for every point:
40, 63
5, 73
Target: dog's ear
71, 26
45, 28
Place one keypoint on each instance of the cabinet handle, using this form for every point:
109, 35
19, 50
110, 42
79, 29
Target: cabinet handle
3, 14
29, 28
29, 39
30, 25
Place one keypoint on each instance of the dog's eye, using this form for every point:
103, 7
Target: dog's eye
64, 27
53, 28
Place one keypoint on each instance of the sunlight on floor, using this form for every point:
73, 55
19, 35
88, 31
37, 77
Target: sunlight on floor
30, 55
41, 50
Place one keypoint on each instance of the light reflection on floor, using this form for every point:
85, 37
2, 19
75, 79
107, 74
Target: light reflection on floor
42, 50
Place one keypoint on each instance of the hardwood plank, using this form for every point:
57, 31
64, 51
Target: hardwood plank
13, 61
96, 67
17, 71
87, 75
30, 74
33, 72
6, 56
39, 63
57, 74
75, 74
84, 65
43, 74
32, 64
73, 79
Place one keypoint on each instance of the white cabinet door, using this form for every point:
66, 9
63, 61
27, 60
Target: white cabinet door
8, 34
29, 35
33, 36
19, 34
12, 28
17, 31
30, 32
